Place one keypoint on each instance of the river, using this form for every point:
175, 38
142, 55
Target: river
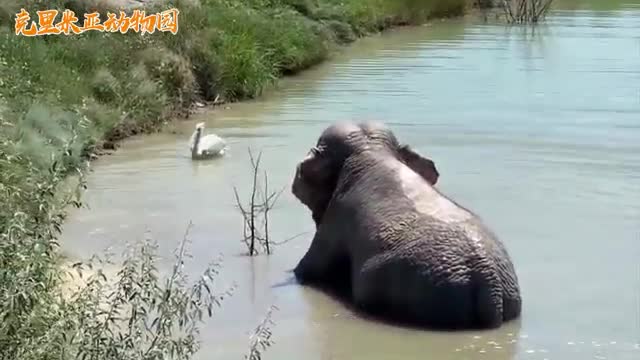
538, 132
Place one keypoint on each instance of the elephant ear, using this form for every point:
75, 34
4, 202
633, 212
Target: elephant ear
421, 165
314, 182
315, 168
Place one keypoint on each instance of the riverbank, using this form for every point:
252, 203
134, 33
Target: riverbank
65, 99
225, 51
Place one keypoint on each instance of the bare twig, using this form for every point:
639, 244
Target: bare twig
507, 9
255, 165
261, 202
291, 238
266, 214
525, 11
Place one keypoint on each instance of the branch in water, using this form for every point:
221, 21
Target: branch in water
525, 11
257, 214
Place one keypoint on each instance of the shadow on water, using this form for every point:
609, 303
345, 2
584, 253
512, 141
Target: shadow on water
502, 339
342, 295
339, 333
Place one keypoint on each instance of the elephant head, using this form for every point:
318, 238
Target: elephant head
317, 174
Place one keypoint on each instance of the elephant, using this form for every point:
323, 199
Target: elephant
393, 245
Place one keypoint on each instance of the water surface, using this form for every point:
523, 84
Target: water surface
538, 132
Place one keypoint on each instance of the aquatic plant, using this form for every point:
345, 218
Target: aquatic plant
525, 11
261, 339
138, 314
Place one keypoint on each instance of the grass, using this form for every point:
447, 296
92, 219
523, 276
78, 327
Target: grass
64, 99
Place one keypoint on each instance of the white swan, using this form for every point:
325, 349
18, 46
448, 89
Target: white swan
206, 146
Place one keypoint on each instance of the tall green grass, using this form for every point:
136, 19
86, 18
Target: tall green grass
64, 98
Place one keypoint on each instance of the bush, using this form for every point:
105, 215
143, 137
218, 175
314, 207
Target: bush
173, 73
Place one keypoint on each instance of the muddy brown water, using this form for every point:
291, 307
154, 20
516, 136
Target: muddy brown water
537, 132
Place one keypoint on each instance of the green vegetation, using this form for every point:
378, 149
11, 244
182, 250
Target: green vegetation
64, 99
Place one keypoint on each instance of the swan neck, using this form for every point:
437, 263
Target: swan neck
196, 143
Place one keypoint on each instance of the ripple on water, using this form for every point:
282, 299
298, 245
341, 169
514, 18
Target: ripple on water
593, 348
